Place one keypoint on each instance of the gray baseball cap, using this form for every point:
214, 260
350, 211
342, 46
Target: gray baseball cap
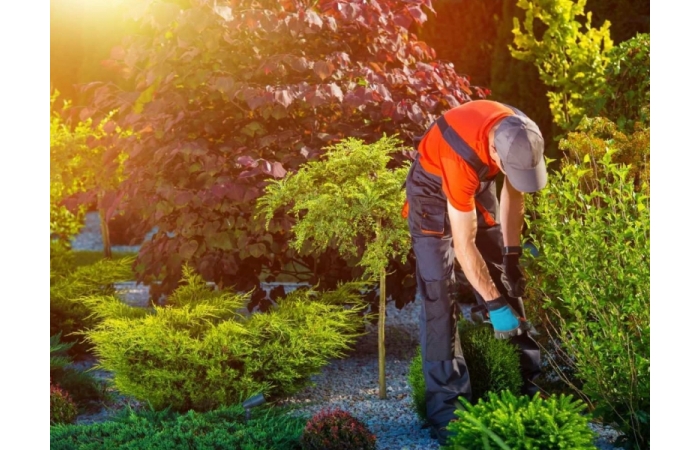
520, 146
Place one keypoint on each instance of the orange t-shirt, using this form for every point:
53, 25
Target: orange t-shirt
472, 121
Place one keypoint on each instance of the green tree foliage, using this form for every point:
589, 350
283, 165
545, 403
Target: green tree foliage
507, 422
352, 201
85, 169
203, 351
349, 199
64, 222
625, 98
592, 226
267, 429
223, 105
569, 61
517, 82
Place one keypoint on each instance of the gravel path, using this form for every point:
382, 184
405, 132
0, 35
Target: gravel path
350, 383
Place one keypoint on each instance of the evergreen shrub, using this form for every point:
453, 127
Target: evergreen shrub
204, 350
494, 365
416, 380
508, 422
226, 428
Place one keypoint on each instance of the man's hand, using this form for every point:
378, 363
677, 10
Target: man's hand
512, 276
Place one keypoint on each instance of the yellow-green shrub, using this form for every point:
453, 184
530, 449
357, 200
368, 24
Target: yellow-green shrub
592, 227
202, 351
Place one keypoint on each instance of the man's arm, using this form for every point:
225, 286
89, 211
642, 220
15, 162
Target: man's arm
464, 226
512, 214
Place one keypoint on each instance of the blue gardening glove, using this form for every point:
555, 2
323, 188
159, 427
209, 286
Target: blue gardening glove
505, 323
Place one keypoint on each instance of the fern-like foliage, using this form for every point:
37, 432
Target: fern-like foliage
507, 422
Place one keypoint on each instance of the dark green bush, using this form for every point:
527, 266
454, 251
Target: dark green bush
221, 429
336, 430
626, 96
68, 285
82, 387
63, 409
519, 423
592, 226
202, 351
416, 380
494, 365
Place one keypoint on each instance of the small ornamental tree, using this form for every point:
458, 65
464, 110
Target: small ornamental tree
571, 62
225, 98
349, 200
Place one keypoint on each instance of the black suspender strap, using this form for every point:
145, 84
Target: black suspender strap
463, 149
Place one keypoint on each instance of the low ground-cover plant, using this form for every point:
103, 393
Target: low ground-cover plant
202, 351
336, 430
226, 428
592, 226
69, 285
63, 408
507, 422
494, 365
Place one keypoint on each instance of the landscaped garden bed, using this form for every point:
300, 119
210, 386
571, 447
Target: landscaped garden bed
226, 228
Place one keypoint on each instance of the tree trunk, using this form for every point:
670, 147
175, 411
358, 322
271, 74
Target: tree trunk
104, 228
382, 320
